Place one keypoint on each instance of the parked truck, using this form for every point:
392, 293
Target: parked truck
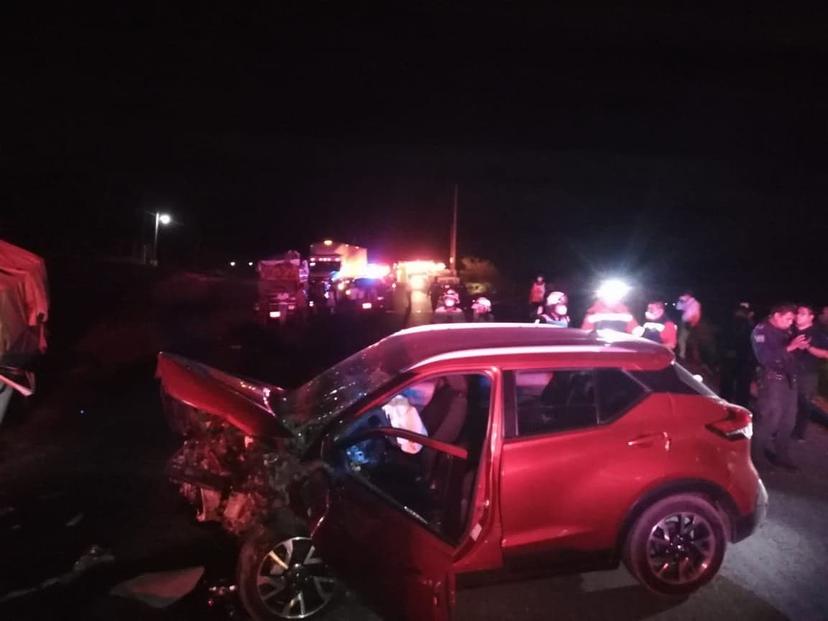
336, 260
283, 288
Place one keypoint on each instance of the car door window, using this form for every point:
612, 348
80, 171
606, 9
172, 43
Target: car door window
431, 479
554, 400
617, 393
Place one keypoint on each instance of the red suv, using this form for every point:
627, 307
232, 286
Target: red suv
444, 456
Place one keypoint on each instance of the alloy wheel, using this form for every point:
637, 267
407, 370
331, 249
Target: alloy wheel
292, 581
681, 547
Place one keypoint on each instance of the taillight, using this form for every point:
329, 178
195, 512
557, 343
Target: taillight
736, 425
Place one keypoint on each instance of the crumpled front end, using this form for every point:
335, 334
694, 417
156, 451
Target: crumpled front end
234, 465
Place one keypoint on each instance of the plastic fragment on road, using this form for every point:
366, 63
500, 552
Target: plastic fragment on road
160, 589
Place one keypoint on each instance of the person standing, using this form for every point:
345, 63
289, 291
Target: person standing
658, 326
609, 312
823, 318
555, 312
738, 365
807, 366
691, 313
537, 294
774, 348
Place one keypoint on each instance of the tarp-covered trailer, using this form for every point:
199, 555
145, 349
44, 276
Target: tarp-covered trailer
24, 311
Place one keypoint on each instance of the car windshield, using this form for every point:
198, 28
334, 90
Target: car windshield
325, 396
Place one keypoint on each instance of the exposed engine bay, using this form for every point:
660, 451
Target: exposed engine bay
230, 477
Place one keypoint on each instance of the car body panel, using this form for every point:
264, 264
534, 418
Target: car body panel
401, 566
243, 403
710, 457
561, 492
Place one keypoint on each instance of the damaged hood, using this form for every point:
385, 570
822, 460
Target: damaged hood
244, 403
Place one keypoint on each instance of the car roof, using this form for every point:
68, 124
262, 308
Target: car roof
414, 347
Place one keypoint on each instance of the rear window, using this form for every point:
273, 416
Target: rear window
697, 385
673, 379
617, 393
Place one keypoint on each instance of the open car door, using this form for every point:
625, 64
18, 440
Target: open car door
396, 508
398, 504
390, 529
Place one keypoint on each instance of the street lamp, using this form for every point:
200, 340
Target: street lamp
160, 219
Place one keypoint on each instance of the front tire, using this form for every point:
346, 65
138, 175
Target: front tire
281, 577
676, 545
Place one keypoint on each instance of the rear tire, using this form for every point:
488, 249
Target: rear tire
676, 545
280, 576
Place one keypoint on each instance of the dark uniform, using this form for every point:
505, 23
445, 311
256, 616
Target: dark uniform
738, 364
807, 376
777, 392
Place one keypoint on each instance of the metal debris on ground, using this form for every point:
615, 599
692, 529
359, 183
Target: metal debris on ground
94, 555
223, 597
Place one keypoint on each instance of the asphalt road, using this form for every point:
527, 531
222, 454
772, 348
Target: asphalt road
82, 465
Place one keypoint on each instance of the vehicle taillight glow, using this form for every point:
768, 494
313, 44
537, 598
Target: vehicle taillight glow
736, 425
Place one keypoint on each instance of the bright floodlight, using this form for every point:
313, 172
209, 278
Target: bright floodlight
328, 242
376, 270
250, 263
164, 218
612, 291
232, 264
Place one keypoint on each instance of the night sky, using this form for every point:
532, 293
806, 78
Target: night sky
685, 147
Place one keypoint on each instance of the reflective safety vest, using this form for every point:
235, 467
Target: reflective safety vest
663, 332
558, 322
621, 322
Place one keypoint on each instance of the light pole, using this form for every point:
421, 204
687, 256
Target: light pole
160, 219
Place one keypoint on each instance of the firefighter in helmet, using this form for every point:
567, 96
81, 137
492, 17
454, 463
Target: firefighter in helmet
555, 311
609, 312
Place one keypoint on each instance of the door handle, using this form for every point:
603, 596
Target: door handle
650, 439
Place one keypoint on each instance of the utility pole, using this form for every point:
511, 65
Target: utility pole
453, 243
155, 239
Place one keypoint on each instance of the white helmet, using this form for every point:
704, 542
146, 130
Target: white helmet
556, 303
482, 305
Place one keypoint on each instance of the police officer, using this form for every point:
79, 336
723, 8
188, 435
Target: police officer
738, 365
657, 326
774, 347
807, 365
